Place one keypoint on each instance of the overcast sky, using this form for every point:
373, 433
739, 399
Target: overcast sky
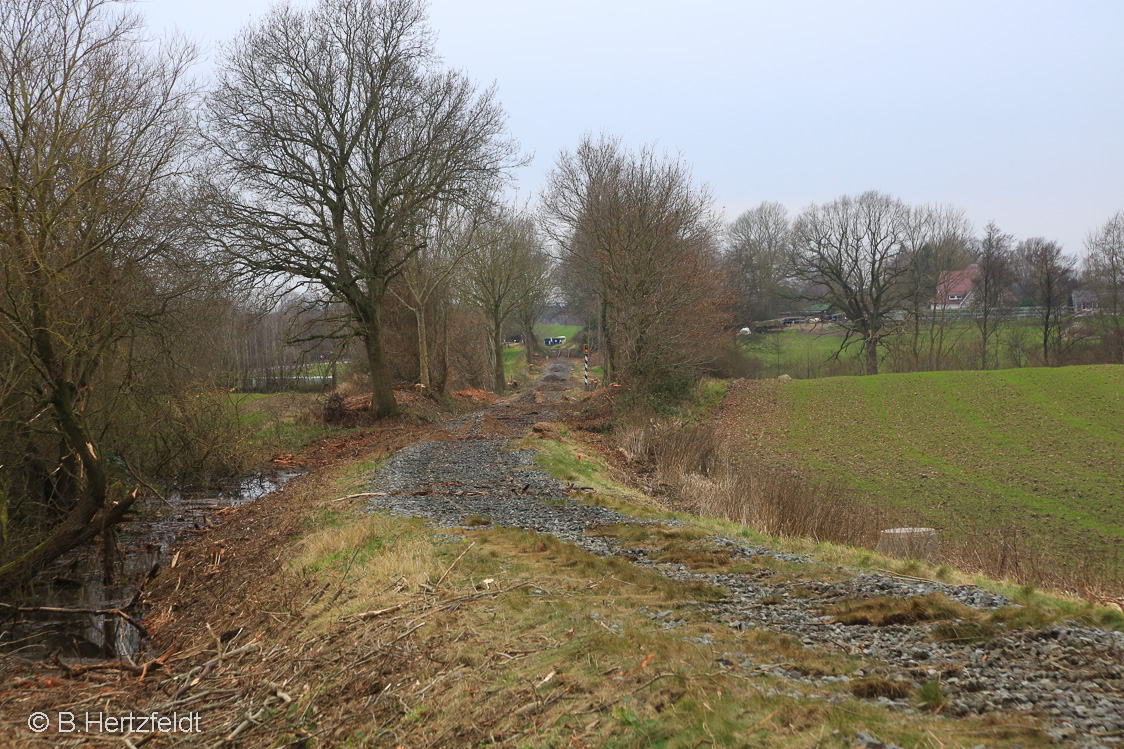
1013, 111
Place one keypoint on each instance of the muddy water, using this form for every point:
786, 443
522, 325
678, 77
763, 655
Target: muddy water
147, 544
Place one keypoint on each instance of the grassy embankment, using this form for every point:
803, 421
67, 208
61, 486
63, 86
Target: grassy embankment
387, 630
1030, 453
511, 636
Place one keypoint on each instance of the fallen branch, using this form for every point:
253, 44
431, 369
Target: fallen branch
144, 483
360, 494
911, 578
73, 671
56, 610
375, 613
192, 679
454, 564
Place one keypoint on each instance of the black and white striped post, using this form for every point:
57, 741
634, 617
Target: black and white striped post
585, 351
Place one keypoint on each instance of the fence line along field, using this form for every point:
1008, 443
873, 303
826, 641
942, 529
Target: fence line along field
1033, 454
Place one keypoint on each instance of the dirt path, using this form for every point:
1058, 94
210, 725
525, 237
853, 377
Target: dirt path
1072, 677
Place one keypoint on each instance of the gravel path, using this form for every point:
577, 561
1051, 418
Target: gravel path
1070, 676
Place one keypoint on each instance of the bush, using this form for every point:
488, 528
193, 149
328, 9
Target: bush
732, 362
689, 461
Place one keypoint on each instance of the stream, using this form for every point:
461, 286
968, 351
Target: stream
147, 542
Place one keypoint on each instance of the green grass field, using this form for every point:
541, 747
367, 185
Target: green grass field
807, 353
514, 363
554, 331
799, 353
1041, 450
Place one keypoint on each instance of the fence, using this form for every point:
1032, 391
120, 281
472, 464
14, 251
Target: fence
277, 383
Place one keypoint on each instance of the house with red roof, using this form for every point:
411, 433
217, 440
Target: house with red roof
954, 289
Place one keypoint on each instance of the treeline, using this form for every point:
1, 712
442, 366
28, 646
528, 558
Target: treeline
905, 277
336, 193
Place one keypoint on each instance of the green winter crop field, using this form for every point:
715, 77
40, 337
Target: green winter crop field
554, 331
1040, 450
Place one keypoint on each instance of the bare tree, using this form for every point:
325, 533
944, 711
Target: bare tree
1104, 274
577, 212
858, 250
942, 246
642, 237
991, 286
426, 275
338, 139
757, 255
539, 282
499, 276
92, 130
1048, 277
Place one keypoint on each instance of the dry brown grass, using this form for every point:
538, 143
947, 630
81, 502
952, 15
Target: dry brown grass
874, 687
690, 462
701, 475
378, 557
885, 611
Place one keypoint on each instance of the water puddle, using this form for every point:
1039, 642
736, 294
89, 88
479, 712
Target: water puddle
76, 581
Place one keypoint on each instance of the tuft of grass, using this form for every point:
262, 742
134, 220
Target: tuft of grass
960, 631
930, 695
378, 558
874, 687
475, 520
885, 611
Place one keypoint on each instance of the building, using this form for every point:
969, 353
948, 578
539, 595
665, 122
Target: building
1084, 302
954, 289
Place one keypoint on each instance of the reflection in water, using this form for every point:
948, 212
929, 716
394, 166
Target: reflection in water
76, 580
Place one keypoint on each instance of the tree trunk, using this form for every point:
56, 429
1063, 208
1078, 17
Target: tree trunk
984, 332
441, 382
382, 389
1119, 334
607, 345
497, 344
423, 347
870, 349
78, 526
917, 341
529, 341
1046, 339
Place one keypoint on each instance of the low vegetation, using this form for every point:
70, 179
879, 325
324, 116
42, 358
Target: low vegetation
834, 557
385, 629
1019, 469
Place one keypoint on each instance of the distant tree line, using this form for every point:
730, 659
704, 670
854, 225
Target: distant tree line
880, 267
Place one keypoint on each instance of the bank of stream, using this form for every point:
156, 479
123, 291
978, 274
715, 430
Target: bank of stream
146, 543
